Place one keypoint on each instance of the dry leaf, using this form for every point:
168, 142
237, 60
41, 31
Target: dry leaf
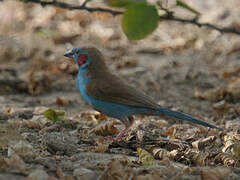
199, 158
171, 132
232, 144
102, 145
95, 116
9, 111
106, 129
61, 101
225, 159
140, 135
160, 153
211, 95
145, 157
200, 144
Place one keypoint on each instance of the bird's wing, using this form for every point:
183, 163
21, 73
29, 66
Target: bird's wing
113, 89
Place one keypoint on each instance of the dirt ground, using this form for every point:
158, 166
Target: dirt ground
183, 67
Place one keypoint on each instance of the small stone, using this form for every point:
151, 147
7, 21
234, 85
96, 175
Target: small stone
38, 174
59, 143
83, 173
23, 149
15, 161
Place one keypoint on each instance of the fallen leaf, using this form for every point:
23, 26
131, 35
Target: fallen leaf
202, 143
145, 157
160, 153
171, 132
106, 129
61, 101
54, 115
212, 95
232, 145
102, 145
95, 116
226, 159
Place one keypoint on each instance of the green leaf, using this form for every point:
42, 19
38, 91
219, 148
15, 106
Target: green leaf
54, 115
186, 6
145, 157
139, 20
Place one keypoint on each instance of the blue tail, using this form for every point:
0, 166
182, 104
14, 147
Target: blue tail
185, 117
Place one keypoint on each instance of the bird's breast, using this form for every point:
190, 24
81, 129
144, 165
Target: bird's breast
82, 81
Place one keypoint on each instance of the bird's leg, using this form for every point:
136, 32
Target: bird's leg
123, 132
128, 124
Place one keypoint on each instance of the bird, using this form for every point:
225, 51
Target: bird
110, 95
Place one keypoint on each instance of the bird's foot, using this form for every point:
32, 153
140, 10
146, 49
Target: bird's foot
123, 132
119, 136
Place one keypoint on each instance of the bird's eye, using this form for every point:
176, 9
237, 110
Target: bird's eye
78, 52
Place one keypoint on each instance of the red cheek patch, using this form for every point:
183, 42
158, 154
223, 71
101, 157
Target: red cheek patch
82, 59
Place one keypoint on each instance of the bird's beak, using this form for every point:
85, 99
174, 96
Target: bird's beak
68, 54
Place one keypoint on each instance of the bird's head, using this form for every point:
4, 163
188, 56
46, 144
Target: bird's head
89, 58
80, 56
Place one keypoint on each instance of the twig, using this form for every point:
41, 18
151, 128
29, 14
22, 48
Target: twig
64, 5
169, 17
194, 22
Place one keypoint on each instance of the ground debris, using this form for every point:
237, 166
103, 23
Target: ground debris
106, 129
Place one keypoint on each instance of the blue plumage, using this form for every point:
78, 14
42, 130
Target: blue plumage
118, 111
